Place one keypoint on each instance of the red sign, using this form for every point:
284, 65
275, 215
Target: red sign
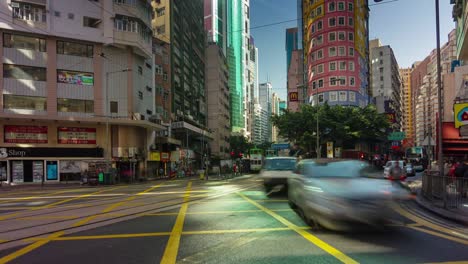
76, 135
165, 157
25, 134
293, 97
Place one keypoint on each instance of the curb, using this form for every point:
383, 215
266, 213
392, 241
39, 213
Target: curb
439, 211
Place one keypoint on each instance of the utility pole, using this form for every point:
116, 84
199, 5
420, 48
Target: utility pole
439, 90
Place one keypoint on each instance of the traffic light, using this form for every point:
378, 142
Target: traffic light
233, 154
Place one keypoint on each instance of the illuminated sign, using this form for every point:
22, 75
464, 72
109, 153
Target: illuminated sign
293, 97
25, 134
461, 114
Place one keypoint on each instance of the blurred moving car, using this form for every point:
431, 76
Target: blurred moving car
276, 172
390, 164
337, 194
410, 170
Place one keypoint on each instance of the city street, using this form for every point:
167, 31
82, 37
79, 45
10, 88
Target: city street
193, 221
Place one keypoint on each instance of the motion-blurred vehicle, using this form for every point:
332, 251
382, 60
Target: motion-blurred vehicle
256, 159
390, 164
410, 171
276, 171
338, 194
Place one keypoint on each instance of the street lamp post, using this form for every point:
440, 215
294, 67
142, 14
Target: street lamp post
108, 113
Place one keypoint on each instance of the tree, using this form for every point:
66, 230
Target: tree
345, 126
239, 144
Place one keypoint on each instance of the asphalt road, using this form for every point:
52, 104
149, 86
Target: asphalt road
193, 221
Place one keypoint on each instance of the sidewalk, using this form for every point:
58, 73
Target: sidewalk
457, 214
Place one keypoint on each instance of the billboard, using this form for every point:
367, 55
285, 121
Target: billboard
76, 135
25, 134
461, 114
72, 77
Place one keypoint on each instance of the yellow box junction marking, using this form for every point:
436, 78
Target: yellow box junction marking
79, 197
308, 236
172, 246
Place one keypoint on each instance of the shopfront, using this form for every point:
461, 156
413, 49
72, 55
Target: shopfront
37, 165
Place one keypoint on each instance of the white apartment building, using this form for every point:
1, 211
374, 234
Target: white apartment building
76, 89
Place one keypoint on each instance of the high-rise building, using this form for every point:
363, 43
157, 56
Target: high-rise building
218, 100
297, 92
252, 85
335, 37
265, 101
216, 22
275, 110
238, 23
76, 88
291, 44
405, 73
386, 83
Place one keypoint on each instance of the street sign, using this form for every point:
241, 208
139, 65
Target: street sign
396, 136
280, 146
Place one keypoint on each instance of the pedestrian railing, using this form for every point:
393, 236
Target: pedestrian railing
445, 191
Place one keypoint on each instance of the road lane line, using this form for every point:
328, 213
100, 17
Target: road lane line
308, 236
115, 205
458, 240
172, 246
33, 197
79, 197
422, 221
29, 248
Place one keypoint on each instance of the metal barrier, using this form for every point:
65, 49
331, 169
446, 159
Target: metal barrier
447, 192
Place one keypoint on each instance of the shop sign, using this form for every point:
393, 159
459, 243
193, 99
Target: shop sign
25, 134
293, 97
154, 156
330, 150
337, 152
460, 112
76, 135
71, 77
165, 156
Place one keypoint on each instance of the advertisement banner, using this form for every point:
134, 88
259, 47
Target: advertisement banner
76, 135
25, 134
461, 114
154, 156
71, 77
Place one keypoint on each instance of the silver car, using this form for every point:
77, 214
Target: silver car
337, 194
276, 171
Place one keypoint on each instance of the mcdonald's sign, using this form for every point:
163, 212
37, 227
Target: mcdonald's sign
293, 97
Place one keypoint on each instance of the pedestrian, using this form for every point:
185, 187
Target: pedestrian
161, 172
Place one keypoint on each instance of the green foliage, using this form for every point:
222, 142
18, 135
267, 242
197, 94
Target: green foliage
239, 144
343, 125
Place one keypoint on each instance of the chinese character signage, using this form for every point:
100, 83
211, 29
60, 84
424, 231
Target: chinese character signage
293, 97
71, 77
461, 114
76, 135
330, 150
25, 134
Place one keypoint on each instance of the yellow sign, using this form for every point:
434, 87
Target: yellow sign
461, 114
330, 150
154, 156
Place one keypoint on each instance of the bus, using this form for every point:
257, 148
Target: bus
256, 159
418, 157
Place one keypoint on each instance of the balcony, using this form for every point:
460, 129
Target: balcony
34, 16
134, 8
133, 39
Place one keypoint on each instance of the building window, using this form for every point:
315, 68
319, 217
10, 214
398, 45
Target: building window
11, 101
333, 96
332, 81
332, 22
381, 78
381, 62
331, 7
341, 21
160, 11
320, 98
75, 105
351, 65
319, 25
320, 83
332, 36
165, 77
341, 6
114, 107
74, 49
341, 36
71, 16
314, 85
22, 72
24, 42
332, 51
313, 69
342, 65
343, 96
350, 21
352, 82
57, 13
91, 22
332, 66
319, 39
381, 69
350, 7
140, 70
351, 51
350, 36
319, 11
341, 51
320, 68
313, 29
381, 53
158, 69
25, 11
319, 54
140, 95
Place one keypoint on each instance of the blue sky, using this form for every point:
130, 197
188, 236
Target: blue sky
408, 26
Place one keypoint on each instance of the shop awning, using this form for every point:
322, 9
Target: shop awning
452, 142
